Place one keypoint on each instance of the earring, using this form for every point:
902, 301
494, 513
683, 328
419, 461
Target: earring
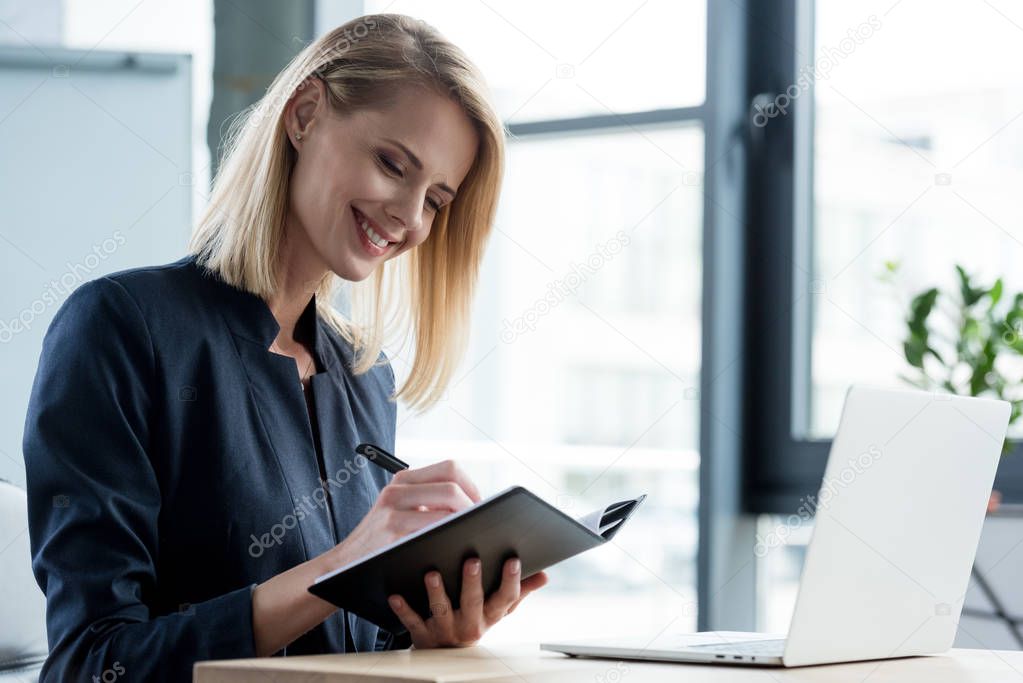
298, 136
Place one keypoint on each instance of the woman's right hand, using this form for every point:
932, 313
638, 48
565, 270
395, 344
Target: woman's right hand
413, 499
283, 608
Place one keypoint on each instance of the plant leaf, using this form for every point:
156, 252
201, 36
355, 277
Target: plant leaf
995, 294
966, 290
914, 350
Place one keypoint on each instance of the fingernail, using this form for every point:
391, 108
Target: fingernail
433, 579
516, 565
474, 567
395, 601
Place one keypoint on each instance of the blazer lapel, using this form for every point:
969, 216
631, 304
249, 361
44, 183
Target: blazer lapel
347, 418
352, 480
278, 398
347, 414
280, 404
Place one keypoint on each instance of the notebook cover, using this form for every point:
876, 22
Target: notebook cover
512, 523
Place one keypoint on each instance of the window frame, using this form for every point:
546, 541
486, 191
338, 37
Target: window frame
782, 466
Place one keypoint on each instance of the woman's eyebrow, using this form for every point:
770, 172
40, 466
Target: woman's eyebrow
418, 164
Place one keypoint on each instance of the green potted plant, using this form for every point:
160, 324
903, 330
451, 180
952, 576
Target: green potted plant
968, 341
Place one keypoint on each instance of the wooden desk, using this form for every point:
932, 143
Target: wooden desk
527, 664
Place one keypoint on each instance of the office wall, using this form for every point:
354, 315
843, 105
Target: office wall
96, 177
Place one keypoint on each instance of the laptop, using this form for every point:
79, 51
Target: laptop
898, 519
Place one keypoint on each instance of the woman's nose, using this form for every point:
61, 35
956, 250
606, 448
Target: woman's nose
407, 215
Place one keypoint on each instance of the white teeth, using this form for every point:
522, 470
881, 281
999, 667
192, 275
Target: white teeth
373, 237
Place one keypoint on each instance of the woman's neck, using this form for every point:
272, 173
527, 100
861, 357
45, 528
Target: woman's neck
299, 276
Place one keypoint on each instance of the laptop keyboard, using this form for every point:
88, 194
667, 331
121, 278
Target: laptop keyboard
749, 647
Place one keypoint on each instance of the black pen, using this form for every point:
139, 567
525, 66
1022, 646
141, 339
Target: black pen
381, 457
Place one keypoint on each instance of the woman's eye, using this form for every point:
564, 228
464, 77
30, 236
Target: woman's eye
394, 169
390, 165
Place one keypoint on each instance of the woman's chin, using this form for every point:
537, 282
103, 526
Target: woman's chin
352, 269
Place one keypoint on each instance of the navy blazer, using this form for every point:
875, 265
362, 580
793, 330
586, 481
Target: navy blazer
171, 467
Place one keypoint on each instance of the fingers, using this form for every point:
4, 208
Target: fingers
498, 603
421, 636
471, 623
403, 522
438, 496
444, 471
528, 585
534, 582
440, 608
475, 614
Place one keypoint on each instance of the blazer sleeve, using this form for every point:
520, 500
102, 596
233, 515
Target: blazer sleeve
94, 502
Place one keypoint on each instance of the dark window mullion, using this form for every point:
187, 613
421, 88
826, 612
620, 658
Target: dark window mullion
780, 470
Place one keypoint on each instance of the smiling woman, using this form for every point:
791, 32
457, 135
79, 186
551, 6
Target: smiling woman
378, 122
360, 195
180, 486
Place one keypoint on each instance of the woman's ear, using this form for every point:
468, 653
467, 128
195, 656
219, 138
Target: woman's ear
303, 109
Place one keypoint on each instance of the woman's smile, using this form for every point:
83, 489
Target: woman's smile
371, 240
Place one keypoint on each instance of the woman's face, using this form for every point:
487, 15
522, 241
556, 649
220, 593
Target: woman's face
390, 170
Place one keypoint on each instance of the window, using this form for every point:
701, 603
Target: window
907, 149
547, 60
918, 161
581, 375
891, 155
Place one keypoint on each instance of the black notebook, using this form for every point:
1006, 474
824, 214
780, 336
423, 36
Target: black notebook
512, 523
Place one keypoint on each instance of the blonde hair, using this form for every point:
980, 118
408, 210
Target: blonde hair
426, 292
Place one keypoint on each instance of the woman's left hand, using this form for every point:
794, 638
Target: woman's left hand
466, 625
